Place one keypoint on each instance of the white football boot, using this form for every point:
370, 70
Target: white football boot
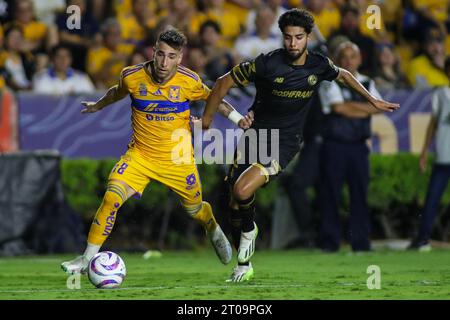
247, 245
221, 245
241, 274
77, 265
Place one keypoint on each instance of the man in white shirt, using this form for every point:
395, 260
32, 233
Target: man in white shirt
262, 40
439, 131
277, 9
345, 155
60, 78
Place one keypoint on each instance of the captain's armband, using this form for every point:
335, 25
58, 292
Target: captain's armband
243, 73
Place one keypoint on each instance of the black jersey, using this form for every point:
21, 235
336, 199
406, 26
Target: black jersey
283, 91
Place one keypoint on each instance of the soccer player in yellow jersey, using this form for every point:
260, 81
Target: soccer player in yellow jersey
160, 92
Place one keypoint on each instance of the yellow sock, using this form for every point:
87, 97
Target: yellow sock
105, 217
205, 217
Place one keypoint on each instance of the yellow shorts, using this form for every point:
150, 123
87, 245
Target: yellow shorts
137, 172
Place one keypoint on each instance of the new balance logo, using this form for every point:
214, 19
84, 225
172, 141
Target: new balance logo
279, 80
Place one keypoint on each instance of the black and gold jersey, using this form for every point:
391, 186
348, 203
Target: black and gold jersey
283, 91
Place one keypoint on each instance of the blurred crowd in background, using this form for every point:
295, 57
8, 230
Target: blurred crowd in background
39, 52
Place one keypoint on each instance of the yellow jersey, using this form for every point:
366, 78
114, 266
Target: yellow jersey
98, 57
159, 111
423, 73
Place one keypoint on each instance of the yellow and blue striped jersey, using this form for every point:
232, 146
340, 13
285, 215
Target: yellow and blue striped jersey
158, 110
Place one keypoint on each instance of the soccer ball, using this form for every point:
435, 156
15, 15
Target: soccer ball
106, 270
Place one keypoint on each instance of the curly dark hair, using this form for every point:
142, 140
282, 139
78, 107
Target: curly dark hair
174, 38
298, 18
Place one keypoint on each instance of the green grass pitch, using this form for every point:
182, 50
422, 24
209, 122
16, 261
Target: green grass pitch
284, 275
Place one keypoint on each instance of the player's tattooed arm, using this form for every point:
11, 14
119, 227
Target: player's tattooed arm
349, 80
114, 94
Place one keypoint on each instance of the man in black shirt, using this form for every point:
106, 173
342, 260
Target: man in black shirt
285, 80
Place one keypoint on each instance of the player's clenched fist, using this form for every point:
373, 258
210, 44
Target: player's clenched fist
247, 121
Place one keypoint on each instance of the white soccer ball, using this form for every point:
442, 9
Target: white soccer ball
106, 270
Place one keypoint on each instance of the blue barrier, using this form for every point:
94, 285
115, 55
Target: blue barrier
52, 122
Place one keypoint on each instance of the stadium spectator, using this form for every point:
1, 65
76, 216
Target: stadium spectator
135, 26
345, 155
427, 69
179, 15
107, 60
18, 63
392, 13
197, 60
422, 15
228, 22
241, 8
220, 59
262, 41
137, 57
46, 10
326, 16
388, 75
79, 40
61, 78
37, 36
432, 13
277, 9
439, 131
350, 17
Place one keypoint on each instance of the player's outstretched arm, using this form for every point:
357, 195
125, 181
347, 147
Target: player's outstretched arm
349, 80
220, 90
114, 94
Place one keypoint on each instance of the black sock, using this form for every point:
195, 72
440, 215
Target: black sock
236, 225
247, 212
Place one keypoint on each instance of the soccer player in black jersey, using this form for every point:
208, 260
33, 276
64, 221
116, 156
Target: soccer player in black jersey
285, 81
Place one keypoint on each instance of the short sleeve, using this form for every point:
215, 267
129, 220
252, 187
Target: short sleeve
331, 72
199, 91
373, 90
122, 82
330, 93
248, 71
435, 107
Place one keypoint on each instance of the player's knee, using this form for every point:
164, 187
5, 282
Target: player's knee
192, 210
115, 195
241, 192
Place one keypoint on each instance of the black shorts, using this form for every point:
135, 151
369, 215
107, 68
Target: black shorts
266, 150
